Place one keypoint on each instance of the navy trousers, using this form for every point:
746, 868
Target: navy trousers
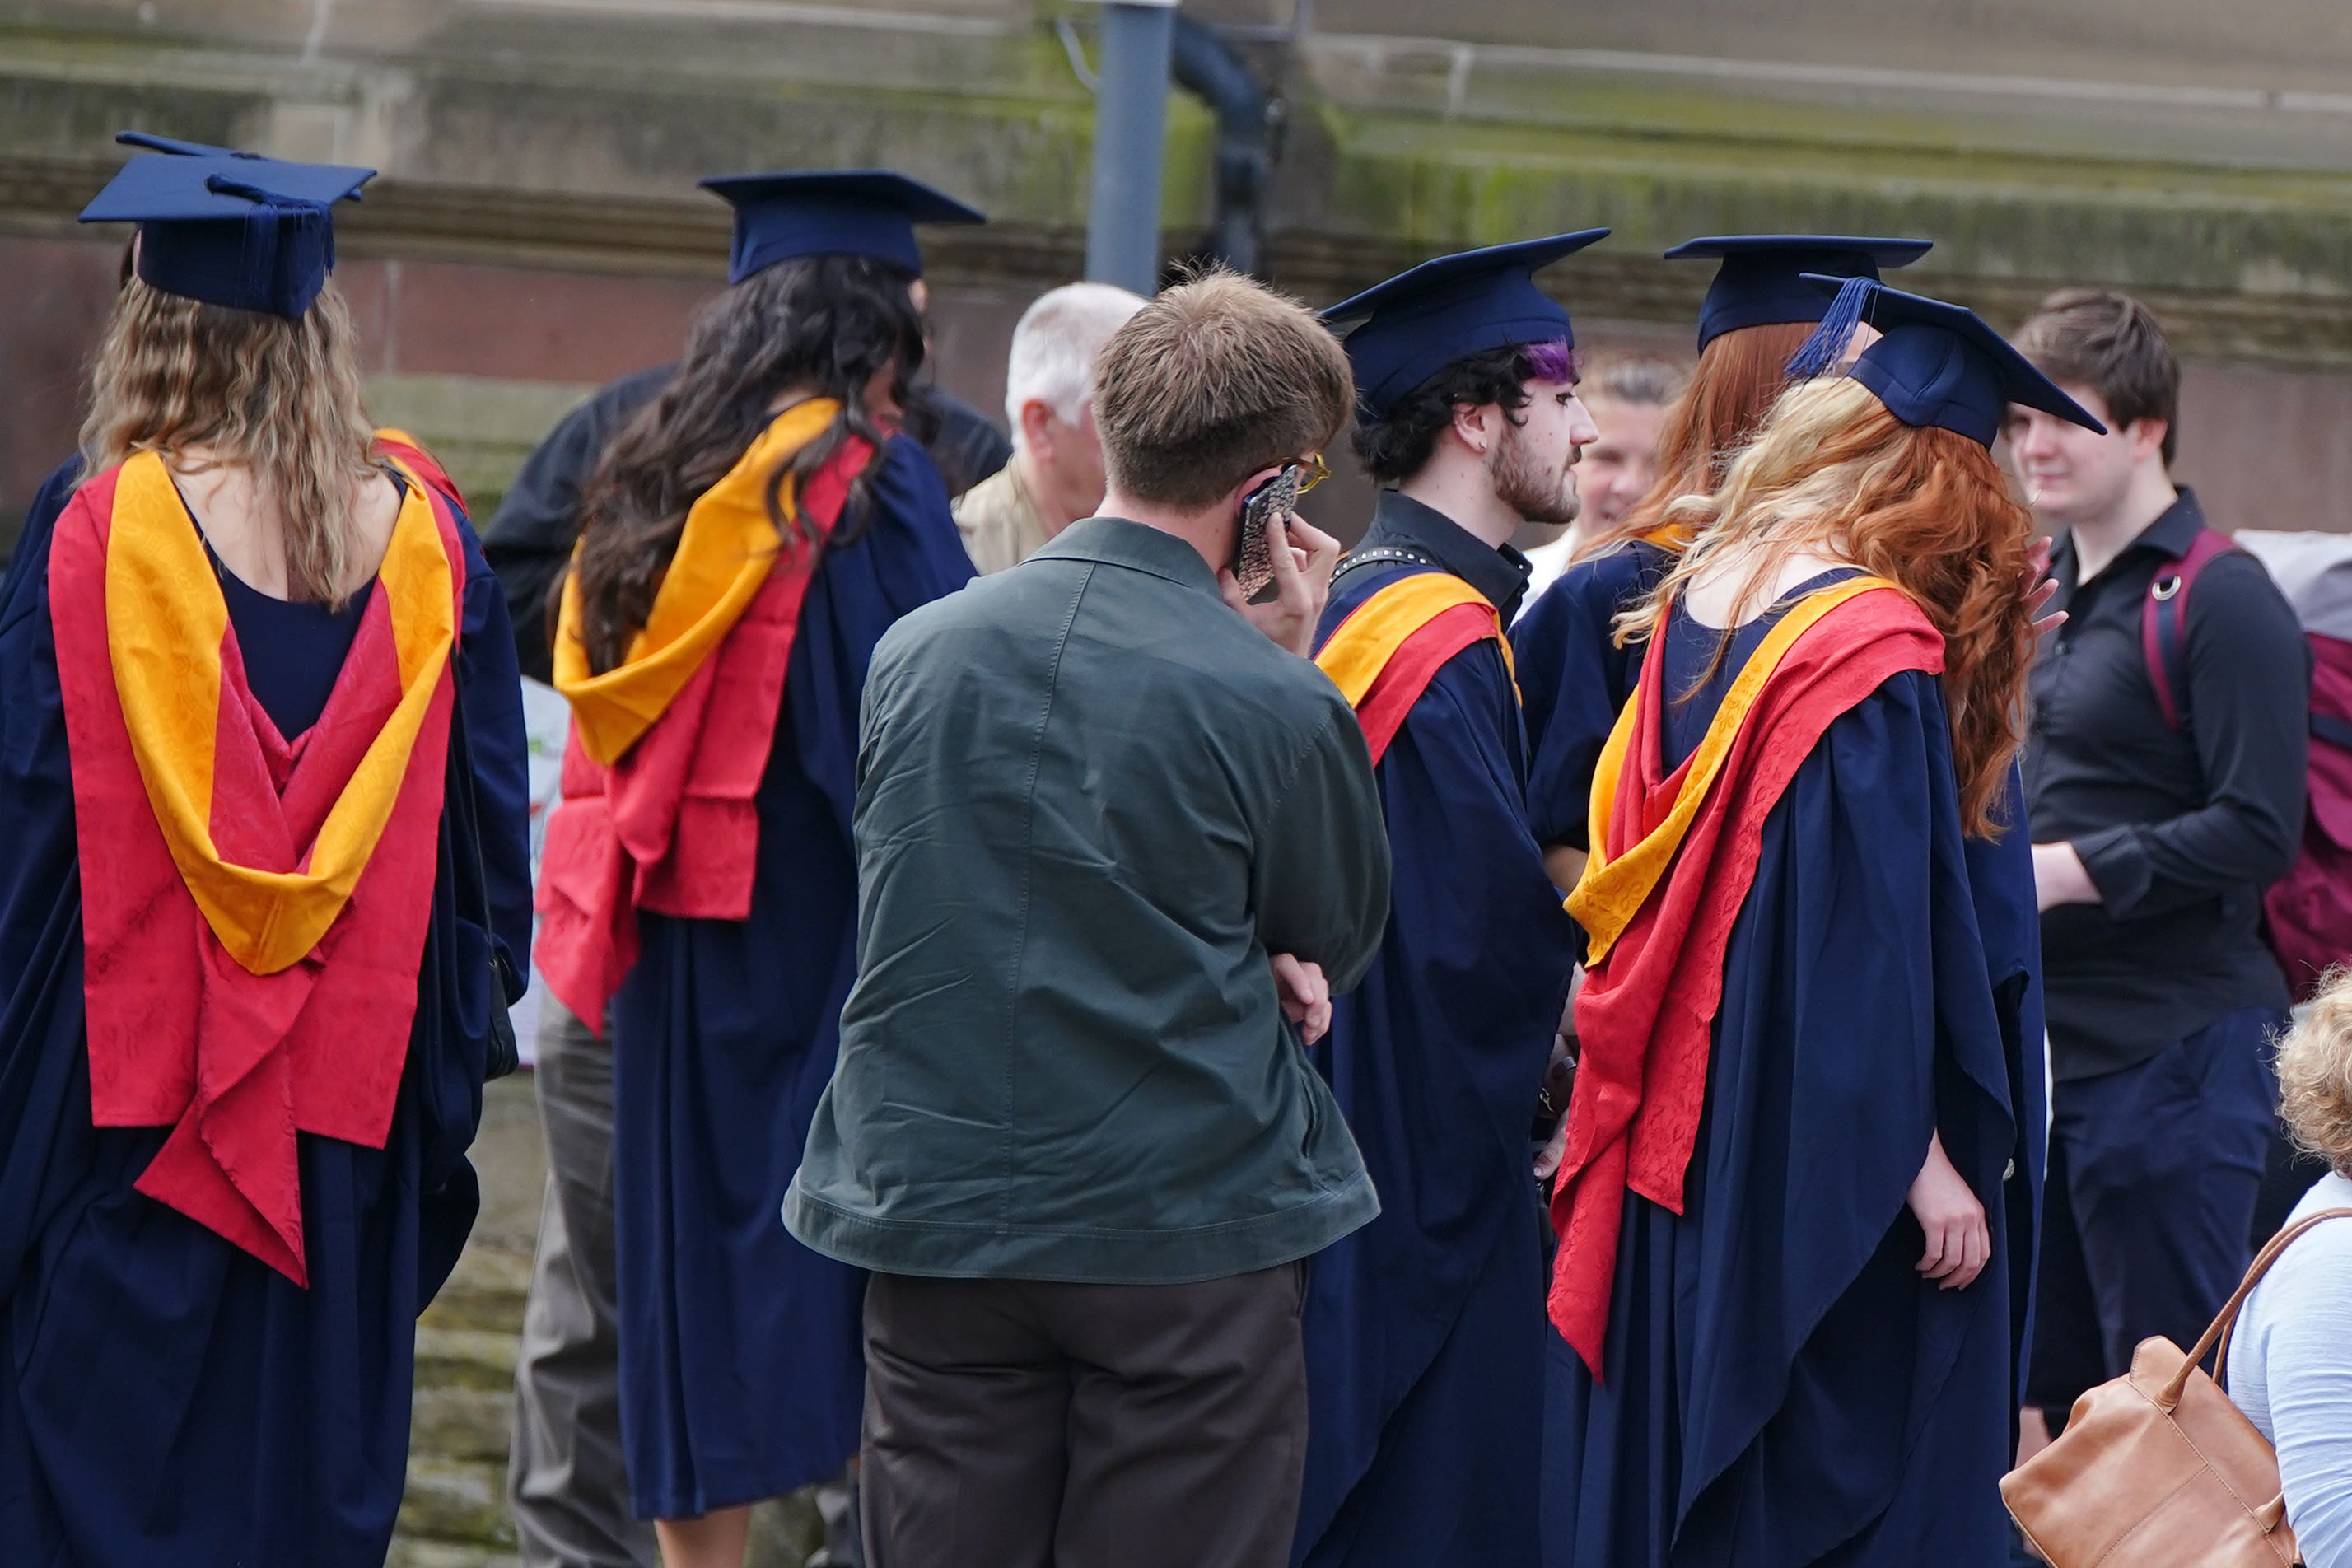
2154, 1172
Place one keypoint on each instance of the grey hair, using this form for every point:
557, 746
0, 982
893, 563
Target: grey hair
1054, 348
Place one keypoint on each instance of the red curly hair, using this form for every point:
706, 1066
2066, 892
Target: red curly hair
1738, 375
1832, 473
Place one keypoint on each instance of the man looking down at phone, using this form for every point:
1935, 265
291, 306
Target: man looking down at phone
1070, 1130
1425, 1330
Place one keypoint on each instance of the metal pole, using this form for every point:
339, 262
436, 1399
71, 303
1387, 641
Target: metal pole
1130, 129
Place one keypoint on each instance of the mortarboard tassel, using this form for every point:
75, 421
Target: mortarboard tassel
269, 208
1824, 351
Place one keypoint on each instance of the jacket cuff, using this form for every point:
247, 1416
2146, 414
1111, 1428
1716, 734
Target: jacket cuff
2117, 864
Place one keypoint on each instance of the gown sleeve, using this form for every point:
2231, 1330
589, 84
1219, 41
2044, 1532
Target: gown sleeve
1419, 1329
1858, 1018
1573, 680
40, 896
490, 694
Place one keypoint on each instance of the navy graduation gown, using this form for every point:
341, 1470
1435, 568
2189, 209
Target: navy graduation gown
1574, 679
743, 1368
1782, 1386
164, 1397
1424, 1330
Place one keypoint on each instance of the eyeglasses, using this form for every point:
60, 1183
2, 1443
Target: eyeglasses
1312, 471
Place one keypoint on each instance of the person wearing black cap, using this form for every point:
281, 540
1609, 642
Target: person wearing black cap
1797, 1208
264, 895
1424, 1330
746, 540
1574, 673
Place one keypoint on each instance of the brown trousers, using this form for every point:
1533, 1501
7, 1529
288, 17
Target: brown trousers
1016, 1424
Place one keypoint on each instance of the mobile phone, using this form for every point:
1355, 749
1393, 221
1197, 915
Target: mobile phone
1254, 542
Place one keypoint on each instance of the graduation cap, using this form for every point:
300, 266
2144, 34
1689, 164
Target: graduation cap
1421, 321
1933, 364
152, 143
254, 233
831, 212
1761, 281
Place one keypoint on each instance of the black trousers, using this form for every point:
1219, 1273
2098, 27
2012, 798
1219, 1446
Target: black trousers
1016, 1423
2154, 1173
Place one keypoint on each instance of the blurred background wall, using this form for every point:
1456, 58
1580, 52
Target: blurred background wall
536, 229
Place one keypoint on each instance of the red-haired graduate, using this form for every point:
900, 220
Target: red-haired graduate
1797, 1208
1575, 673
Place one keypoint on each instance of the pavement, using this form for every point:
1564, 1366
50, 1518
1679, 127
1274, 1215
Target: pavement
454, 1514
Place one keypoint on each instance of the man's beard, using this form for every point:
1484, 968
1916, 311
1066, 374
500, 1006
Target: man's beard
1539, 495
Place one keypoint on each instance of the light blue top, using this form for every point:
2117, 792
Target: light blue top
2291, 1373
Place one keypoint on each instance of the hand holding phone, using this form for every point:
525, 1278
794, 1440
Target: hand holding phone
1300, 559
1266, 507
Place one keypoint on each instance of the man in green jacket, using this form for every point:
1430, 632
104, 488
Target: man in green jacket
1111, 824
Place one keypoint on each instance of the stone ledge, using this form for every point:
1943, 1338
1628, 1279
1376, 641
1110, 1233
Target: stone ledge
466, 1358
456, 1500
406, 1553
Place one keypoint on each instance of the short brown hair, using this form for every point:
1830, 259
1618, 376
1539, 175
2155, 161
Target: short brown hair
2113, 344
1638, 381
1215, 379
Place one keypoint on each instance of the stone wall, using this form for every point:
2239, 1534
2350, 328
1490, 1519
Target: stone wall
536, 228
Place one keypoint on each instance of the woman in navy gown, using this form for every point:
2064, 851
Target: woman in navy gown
746, 540
1798, 1204
262, 890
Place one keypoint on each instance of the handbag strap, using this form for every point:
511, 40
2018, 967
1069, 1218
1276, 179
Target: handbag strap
2226, 1320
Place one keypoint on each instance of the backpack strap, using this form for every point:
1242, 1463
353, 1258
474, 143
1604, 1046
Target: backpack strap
2163, 622
2226, 1321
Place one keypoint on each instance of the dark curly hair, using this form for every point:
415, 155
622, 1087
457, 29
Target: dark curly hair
1395, 446
819, 326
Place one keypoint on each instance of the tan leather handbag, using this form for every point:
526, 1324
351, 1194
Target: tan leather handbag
2157, 1468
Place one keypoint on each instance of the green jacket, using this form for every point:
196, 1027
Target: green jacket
1091, 800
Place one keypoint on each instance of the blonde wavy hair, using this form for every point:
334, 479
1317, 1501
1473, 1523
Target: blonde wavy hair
2315, 1075
1834, 472
280, 397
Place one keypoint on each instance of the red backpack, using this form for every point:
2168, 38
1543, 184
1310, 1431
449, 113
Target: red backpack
2307, 915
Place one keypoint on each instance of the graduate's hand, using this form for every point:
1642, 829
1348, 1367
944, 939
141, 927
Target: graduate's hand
1303, 560
1305, 995
2039, 588
1960, 1242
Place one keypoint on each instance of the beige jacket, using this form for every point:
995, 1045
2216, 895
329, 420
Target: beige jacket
1001, 526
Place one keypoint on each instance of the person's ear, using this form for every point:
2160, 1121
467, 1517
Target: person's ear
1239, 495
2148, 437
1037, 429
1474, 426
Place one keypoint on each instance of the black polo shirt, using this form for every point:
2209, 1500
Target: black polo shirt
2180, 830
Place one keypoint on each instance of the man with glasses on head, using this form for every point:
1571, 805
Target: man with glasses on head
1425, 1330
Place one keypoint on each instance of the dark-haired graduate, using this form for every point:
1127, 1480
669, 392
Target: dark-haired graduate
747, 539
263, 891
1574, 674
1798, 1206
1425, 1330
